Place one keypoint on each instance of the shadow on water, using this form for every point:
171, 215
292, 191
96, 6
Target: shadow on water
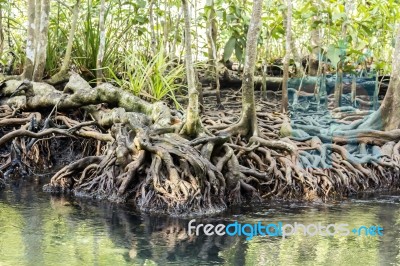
40, 229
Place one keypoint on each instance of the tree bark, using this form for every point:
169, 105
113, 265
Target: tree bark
339, 84
387, 116
38, 7
300, 72
30, 42
353, 90
376, 92
67, 57
102, 33
1, 33
390, 107
340, 66
212, 50
193, 124
313, 60
153, 44
42, 40
247, 124
285, 101
62, 74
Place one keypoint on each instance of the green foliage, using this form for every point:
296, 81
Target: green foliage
88, 41
235, 21
369, 26
58, 38
155, 78
229, 47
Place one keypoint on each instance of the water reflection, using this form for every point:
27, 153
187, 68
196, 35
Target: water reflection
40, 229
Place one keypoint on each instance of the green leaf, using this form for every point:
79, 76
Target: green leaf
307, 15
239, 52
338, 15
333, 54
366, 29
141, 3
278, 32
229, 46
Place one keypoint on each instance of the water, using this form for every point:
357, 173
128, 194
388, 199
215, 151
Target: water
39, 229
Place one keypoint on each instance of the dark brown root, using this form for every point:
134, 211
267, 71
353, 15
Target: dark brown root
135, 155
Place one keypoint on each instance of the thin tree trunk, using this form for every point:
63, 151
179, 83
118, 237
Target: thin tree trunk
339, 84
193, 125
174, 44
339, 72
100, 54
212, 51
153, 44
247, 124
323, 92
315, 40
30, 42
42, 41
62, 74
376, 92
285, 100
265, 66
353, 90
297, 60
387, 116
196, 30
67, 57
167, 27
1, 33
313, 60
38, 7
248, 100
391, 104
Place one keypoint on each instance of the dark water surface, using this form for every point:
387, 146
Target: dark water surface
37, 228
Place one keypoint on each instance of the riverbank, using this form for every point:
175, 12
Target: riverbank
124, 149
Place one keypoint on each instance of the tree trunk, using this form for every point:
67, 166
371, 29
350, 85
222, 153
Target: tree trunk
30, 42
67, 57
297, 59
38, 7
339, 83
193, 124
153, 40
176, 36
340, 66
313, 60
315, 40
212, 50
353, 90
376, 92
391, 104
285, 101
265, 70
387, 116
247, 124
42, 41
1, 33
100, 53
63, 73
248, 101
